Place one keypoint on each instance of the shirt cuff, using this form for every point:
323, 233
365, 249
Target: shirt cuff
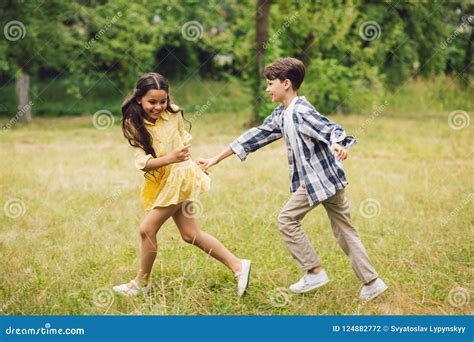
349, 142
141, 161
238, 149
339, 136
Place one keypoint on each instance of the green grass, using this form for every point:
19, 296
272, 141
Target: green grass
438, 94
79, 234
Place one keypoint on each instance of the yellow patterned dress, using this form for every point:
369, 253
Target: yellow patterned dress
174, 183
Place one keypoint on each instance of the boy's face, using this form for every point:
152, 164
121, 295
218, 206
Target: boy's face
277, 89
154, 102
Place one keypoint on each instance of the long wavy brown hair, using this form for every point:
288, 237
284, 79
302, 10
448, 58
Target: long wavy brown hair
133, 126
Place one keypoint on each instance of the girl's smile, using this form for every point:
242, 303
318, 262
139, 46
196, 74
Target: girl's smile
154, 102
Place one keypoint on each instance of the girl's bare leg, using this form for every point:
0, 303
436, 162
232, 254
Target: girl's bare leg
191, 233
148, 230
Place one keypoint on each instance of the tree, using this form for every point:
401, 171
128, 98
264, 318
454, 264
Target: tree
35, 37
468, 23
262, 14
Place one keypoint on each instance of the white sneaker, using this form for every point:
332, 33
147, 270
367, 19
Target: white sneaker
310, 282
243, 277
369, 292
125, 290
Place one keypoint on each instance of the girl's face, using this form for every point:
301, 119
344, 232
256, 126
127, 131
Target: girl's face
277, 89
153, 103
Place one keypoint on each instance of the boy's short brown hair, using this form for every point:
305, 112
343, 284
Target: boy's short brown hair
286, 68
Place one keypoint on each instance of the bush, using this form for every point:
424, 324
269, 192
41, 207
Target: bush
333, 87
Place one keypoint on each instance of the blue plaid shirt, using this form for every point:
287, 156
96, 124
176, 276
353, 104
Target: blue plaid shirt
312, 163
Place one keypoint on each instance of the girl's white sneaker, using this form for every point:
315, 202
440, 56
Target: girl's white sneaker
133, 291
243, 277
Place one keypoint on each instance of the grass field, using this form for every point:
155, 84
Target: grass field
71, 211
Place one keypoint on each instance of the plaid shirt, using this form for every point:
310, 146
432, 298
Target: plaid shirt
312, 163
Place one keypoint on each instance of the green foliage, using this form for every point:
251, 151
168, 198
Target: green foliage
333, 87
83, 45
193, 95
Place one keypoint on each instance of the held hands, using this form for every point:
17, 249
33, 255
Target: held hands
339, 151
182, 154
205, 164
179, 155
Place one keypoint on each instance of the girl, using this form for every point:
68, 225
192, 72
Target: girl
155, 129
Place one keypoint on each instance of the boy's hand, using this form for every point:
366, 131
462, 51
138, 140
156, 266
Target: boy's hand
205, 164
199, 162
339, 151
202, 168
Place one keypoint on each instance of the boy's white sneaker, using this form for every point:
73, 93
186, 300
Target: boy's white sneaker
310, 282
369, 292
243, 277
133, 291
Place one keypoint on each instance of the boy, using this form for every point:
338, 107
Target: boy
313, 143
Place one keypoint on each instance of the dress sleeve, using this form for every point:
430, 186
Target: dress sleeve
141, 157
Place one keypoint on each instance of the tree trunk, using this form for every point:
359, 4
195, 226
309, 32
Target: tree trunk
305, 50
22, 89
263, 11
468, 58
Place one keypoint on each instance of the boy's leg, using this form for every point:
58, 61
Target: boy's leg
292, 233
337, 208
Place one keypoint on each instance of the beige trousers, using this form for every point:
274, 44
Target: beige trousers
299, 246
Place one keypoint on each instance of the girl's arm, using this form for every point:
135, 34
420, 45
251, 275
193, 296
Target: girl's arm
177, 156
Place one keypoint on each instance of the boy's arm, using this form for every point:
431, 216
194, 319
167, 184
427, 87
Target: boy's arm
204, 164
250, 141
321, 128
256, 138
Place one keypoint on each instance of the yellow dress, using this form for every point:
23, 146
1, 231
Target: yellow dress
174, 183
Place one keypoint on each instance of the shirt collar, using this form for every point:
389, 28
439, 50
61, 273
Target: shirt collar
163, 115
289, 109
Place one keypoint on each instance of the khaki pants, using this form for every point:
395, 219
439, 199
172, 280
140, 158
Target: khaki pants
299, 246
